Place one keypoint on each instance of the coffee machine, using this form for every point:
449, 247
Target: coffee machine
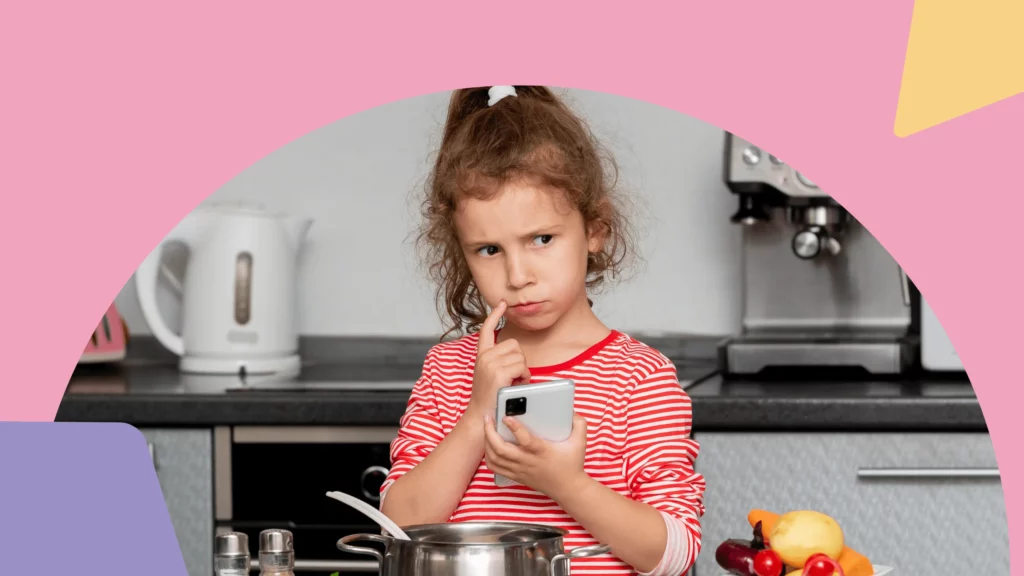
819, 291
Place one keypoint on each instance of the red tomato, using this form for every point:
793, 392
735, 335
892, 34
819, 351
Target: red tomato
767, 563
822, 565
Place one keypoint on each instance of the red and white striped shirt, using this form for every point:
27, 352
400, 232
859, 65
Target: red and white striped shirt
638, 443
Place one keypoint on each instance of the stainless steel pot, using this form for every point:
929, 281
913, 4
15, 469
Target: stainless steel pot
473, 549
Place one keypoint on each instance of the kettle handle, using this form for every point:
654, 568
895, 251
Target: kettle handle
145, 287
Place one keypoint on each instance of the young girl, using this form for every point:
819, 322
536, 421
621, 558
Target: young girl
520, 219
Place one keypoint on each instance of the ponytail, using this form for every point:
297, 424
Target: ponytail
468, 101
464, 103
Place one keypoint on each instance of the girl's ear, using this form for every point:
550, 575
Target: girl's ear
596, 239
597, 231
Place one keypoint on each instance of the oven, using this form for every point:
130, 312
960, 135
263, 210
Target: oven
278, 477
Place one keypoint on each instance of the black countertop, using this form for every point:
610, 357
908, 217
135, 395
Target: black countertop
353, 393
922, 403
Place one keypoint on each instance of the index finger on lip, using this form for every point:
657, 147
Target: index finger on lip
487, 329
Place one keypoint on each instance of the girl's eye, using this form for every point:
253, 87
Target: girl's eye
544, 239
488, 251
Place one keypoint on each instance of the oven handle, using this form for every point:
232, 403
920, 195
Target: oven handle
341, 566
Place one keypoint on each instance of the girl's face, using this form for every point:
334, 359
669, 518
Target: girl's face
527, 246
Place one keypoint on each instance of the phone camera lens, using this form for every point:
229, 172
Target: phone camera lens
515, 406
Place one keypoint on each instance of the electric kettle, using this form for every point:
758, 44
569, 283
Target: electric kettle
238, 295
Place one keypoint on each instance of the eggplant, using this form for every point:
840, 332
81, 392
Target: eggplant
736, 557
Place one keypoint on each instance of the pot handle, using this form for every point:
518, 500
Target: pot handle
343, 545
584, 552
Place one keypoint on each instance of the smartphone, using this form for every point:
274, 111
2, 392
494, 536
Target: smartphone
545, 409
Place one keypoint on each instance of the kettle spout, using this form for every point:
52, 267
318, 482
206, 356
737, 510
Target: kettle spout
298, 228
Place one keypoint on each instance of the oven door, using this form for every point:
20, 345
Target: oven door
278, 477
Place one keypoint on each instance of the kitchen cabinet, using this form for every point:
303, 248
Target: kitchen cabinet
184, 467
924, 503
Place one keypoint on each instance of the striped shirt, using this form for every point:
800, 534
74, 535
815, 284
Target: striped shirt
638, 443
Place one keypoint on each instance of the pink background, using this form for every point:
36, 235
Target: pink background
101, 96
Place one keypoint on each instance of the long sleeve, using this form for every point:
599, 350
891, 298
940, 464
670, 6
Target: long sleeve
659, 464
420, 429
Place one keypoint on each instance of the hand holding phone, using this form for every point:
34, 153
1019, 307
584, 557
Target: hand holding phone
544, 409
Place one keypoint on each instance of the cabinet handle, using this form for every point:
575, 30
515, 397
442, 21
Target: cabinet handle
930, 473
342, 566
152, 453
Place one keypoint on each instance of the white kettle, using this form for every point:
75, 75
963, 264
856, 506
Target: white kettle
238, 295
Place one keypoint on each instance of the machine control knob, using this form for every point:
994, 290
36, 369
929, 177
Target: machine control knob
805, 180
807, 243
752, 155
811, 241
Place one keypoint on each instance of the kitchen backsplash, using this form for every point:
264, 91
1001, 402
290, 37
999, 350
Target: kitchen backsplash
360, 177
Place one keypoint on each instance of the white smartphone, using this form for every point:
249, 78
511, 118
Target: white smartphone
545, 409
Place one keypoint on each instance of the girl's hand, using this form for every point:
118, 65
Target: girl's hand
497, 366
551, 468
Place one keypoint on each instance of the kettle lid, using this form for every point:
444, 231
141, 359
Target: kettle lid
240, 208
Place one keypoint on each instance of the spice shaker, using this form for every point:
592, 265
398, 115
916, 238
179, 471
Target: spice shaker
231, 555
277, 553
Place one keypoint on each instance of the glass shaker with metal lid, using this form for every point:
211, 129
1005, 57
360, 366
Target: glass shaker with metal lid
277, 553
231, 555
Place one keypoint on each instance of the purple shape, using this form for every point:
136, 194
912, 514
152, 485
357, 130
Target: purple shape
82, 499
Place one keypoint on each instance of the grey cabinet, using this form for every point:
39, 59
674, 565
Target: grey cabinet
184, 466
922, 503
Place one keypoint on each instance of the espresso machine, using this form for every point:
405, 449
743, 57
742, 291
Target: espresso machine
819, 291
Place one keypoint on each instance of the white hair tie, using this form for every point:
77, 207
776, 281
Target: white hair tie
498, 92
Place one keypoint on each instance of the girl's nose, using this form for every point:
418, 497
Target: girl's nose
518, 270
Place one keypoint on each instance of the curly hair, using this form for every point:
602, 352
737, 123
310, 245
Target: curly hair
533, 137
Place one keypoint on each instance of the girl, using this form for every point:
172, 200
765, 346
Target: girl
519, 218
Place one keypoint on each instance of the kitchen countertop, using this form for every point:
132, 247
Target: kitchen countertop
925, 403
373, 391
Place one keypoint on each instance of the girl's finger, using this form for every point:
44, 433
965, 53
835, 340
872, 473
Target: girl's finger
487, 329
500, 470
525, 440
516, 372
579, 427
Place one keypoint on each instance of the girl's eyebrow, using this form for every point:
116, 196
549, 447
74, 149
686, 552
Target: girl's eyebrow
547, 229
476, 243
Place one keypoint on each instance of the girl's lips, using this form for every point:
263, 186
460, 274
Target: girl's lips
527, 308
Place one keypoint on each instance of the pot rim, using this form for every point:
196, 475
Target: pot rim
556, 534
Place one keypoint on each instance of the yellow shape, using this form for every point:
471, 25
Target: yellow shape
962, 55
